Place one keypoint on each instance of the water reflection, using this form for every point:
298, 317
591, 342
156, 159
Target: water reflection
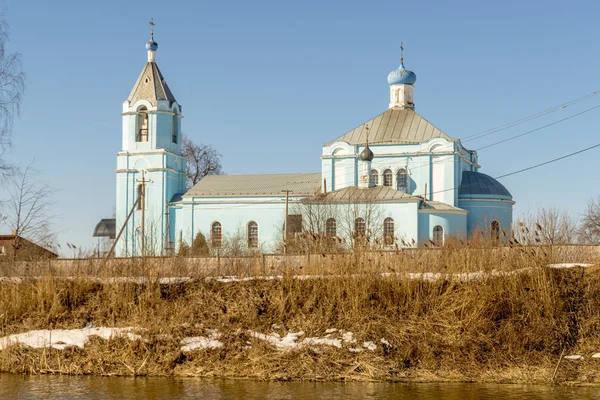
66, 387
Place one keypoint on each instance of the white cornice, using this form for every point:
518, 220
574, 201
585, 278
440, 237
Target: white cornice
133, 170
153, 112
412, 154
431, 211
488, 200
146, 153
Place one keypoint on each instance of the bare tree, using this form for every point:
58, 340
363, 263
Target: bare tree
356, 222
589, 229
547, 226
27, 208
202, 160
12, 85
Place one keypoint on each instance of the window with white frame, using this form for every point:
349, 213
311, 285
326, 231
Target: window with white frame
374, 177
360, 228
174, 129
142, 125
330, 227
495, 230
216, 234
402, 180
387, 177
388, 231
438, 236
252, 234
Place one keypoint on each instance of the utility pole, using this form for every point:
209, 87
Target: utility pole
285, 221
143, 203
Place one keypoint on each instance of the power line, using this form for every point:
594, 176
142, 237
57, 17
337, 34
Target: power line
538, 129
528, 118
549, 162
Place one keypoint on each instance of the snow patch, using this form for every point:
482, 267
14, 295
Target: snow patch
569, 265
199, 342
370, 346
315, 341
597, 355
62, 338
348, 337
574, 357
288, 341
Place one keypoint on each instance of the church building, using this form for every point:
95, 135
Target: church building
396, 179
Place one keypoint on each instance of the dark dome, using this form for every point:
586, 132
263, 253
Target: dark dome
478, 185
367, 154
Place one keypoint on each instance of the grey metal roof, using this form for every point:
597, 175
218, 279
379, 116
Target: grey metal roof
151, 86
439, 206
357, 194
106, 227
394, 126
475, 184
303, 184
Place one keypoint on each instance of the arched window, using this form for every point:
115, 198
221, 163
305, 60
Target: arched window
330, 228
142, 125
174, 129
387, 177
495, 230
216, 234
360, 227
402, 180
438, 236
375, 177
252, 235
388, 231
141, 194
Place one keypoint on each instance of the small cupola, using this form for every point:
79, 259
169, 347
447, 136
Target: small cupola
367, 154
402, 76
401, 83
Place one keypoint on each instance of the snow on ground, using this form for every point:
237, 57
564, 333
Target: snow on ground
570, 265
63, 338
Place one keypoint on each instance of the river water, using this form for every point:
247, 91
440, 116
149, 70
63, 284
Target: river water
93, 387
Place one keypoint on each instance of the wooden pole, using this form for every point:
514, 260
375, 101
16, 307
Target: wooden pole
285, 221
143, 202
122, 228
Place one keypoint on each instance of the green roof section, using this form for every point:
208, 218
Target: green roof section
301, 184
394, 126
355, 194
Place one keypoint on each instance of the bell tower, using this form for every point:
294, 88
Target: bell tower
150, 166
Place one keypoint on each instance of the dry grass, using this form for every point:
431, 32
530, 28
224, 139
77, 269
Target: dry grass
509, 328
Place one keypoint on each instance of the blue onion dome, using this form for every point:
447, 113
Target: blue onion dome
402, 76
367, 154
151, 45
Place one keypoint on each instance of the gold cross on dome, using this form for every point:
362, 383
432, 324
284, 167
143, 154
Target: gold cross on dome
152, 24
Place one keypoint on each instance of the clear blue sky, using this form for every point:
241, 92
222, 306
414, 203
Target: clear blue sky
267, 83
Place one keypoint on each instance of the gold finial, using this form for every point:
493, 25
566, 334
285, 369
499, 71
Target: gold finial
401, 52
152, 24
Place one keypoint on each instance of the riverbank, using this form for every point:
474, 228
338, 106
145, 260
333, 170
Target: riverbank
511, 324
